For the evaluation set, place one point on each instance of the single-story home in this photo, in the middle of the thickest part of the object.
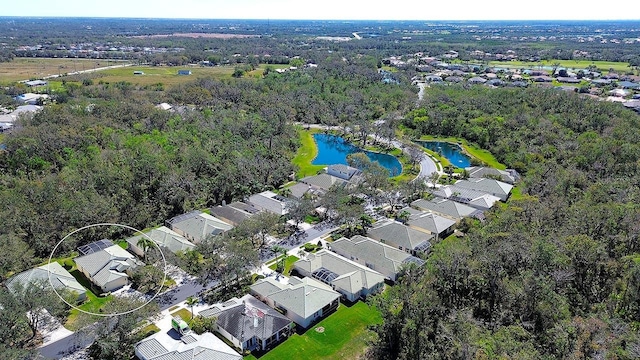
(474, 198)
(162, 346)
(36, 83)
(303, 301)
(184, 72)
(375, 255)
(249, 324)
(233, 213)
(108, 268)
(195, 226)
(489, 172)
(323, 181)
(50, 274)
(352, 280)
(270, 201)
(439, 226)
(343, 172)
(31, 98)
(496, 188)
(162, 236)
(445, 207)
(400, 236)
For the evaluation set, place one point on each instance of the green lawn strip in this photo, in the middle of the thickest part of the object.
(185, 314)
(305, 155)
(344, 337)
(288, 263)
(516, 193)
(92, 304)
(568, 64)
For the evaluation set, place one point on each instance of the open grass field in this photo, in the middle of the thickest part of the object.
(569, 64)
(344, 336)
(305, 155)
(36, 68)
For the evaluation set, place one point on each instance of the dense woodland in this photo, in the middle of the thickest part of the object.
(554, 274)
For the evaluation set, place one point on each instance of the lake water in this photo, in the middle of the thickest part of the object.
(450, 151)
(334, 150)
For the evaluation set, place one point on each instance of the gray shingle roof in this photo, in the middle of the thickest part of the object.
(196, 225)
(107, 264)
(490, 186)
(60, 278)
(233, 320)
(445, 207)
(431, 222)
(484, 171)
(384, 258)
(230, 213)
(394, 232)
(165, 237)
(322, 181)
(466, 196)
(304, 297)
(360, 277)
(207, 346)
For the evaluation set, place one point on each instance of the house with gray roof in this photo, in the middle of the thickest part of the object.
(489, 172)
(474, 198)
(375, 255)
(342, 171)
(323, 181)
(233, 213)
(439, 226)
(500, 189)
(161, 346)
(49, 274)
(298, 190)
(162, 236)
(108, 268)
(351, 279)
(270, 201)
(447, 208)
(304, 301)
(196, 226)
(249, 324)
(400, 236)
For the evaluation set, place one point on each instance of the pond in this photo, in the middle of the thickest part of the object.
(450, 151)
(334, 150)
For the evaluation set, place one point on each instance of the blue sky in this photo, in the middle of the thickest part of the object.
(328, 9)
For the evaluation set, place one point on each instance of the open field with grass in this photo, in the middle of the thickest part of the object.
(305, 155)
(344, 336)
(569, 64)
(36, 68)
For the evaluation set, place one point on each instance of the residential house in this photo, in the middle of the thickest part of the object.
(323, 181)
(108, 268)
(375, 255)
(184, 72)
(249, 324)
(439, 226)
(447, 208)
(162, 236)
(298, 190)
(36, 83)
(476, 199)
(304, 301)
(270, 201)
(233, 213)
(31, 98)
(196, 226)
(343, 172)
(489, 172)
(352, 280)
(162, 346)
(50, 274)
(494, 187)
(477, 80)
(400, 236)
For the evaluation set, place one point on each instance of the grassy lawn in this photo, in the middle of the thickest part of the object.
(569, 64)
(305, 155)
(288, 263)
(35, 68)
(93, 303)
(480, 154)
(345, 336)
(183, 313)
(516, 193)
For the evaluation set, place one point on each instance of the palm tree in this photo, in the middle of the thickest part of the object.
(192, 301)
(145, 244)
(277, 249)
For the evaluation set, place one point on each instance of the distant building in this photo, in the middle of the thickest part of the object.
(36, 83)
(184, 72)
(138, 72)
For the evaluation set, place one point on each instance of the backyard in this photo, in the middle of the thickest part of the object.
(342, 335)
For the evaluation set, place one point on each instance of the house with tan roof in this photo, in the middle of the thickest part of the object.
(351, 279)
(400, 236)
(304, 301)
(163, 237)
(439, 226)
(108, 268)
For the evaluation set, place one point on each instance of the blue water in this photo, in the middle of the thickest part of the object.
(450, 151)
(334, 150)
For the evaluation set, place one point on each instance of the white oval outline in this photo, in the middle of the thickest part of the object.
(164, 279)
